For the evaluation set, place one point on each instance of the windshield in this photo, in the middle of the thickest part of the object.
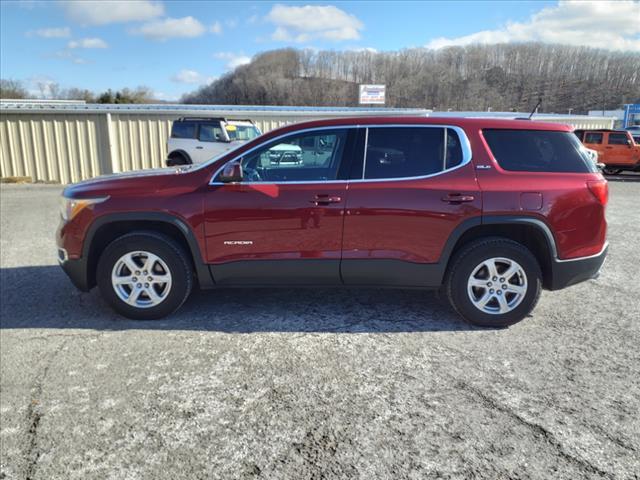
(243, 132)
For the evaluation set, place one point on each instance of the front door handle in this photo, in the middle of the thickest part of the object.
(457, 198)
(199, 148)
(322, 199)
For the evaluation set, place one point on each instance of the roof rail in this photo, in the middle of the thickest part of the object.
(190, 119)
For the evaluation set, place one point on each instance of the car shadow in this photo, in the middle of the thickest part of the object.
(42, 297)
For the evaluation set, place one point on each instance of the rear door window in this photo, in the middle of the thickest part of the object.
(404, 152)
(593, 137)
(538, 151)
(617, 139)
(183, 130)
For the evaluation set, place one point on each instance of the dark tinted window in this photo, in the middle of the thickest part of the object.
(183, 130)
(211, 133)
(617, 139)
(538, 151)
(593, 137)
(398, 152)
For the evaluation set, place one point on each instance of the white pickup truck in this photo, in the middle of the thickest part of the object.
(197, 139)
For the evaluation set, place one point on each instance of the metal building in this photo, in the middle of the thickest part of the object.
(67, 141)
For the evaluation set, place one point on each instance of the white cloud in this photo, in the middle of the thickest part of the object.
(87, 43)
(191, 77)
(160, 30)
(216, 28)
(233, 60)
(70, 56)
(309, 22)
(55, 32)
(606, 24)
(231, 23)
(91, 12)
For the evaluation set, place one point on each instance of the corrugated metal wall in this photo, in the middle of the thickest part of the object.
(69, 147)
(55, 148)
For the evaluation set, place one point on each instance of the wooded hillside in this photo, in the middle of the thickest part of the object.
(504, 77)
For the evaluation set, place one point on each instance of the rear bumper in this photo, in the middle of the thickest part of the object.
(569, 272)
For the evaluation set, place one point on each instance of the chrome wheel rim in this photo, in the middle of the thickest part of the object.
(497, 285)
(141, 279)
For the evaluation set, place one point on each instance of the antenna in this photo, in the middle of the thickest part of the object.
(535, 108)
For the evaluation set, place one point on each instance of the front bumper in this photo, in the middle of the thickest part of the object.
(565, 273)
(76, 270)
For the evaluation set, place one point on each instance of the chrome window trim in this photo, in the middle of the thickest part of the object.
(465, 145)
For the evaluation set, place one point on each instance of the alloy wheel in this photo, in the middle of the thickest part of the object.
(141, 279)
(497, 285)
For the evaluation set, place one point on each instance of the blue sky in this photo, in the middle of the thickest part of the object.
(173, 47)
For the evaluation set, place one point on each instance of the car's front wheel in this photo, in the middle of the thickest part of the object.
(144, 275)
(494, 282)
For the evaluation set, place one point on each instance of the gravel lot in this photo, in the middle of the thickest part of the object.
(313, 383)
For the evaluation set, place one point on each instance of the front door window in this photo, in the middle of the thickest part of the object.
(306, 157)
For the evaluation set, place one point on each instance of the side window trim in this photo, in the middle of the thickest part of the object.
(462, 136)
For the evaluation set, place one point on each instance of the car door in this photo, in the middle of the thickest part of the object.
(619, 152)
(184, 137)
(416, 186)
(283, 223)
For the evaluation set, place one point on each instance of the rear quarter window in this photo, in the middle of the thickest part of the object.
(593, 137)
(538, 151)
(183, 130)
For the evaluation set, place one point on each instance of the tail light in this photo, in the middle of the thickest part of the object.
(600, 190)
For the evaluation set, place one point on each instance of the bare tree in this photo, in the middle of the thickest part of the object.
(510, 77)
(12, 89)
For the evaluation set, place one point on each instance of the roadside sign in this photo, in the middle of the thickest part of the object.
(372, 94)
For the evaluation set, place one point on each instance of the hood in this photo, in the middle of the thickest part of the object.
(140, 181)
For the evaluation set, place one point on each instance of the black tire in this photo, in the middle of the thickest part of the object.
(178, 158)
(169, 251)
(471, 256)
(611, 171)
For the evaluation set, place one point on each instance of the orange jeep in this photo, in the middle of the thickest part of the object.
(616, 149)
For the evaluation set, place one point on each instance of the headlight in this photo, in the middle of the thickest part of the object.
(70, 207)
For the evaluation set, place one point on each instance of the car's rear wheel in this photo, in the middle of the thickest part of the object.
(611, 170)
(494, 282)
(144, 275)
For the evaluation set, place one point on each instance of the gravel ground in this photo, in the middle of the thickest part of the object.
(313, 383)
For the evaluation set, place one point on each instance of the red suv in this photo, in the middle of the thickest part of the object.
(492, 211)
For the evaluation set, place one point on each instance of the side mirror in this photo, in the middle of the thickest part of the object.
(629, 142)
(232, 172)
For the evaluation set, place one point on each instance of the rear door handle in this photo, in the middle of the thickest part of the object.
(458, 198)
(199, 148)
(322, 199)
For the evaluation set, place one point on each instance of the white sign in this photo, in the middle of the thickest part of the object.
(372, 94)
